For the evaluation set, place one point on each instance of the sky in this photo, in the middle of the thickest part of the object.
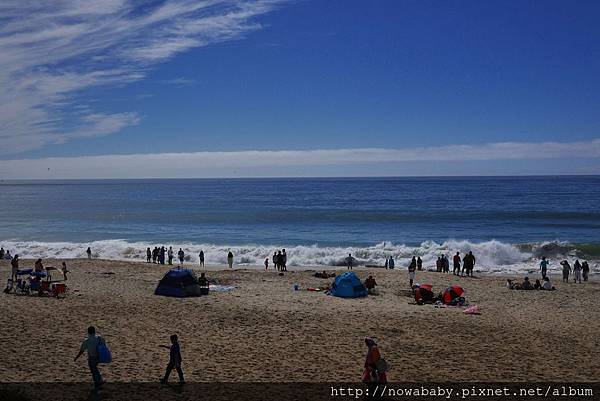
(232, 88)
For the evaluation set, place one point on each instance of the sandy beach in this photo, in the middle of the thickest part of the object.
(265, 331)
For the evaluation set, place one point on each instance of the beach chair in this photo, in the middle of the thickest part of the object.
(59, 289)
(34, 285)
(45, 287)
(22, 286)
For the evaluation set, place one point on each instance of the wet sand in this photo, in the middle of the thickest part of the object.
(265, 331)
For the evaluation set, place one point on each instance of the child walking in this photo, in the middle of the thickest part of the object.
(174, 360)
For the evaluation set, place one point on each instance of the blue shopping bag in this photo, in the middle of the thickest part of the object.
(104, 355)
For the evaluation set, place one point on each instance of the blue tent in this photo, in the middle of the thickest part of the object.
(347, 285)
(178, 283)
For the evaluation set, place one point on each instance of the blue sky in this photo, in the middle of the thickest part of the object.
(422, 77)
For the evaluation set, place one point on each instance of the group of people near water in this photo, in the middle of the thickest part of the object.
(157, 255)
(579, 270)
(468, 264)
(279, 260)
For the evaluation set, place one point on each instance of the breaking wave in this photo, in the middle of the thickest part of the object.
(492, 256)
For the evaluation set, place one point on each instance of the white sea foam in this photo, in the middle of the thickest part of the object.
(492, 256)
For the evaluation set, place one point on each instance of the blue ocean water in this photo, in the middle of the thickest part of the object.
(338, 213)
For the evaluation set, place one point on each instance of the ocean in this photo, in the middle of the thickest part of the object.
(508, 222)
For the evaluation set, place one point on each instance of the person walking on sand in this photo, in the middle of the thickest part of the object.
(412, 267)
(456, 262)
(585, 270)
(90, 344)
(174, 360)
(201, 257)
(181, 255)
(64, 271)
(577, 271)
(148, 255)
(419, 263)
(89, 252)
(230, 259)
(544, 266)
(349, 261)
(566, 270)
(266, 263)
(14, 264)
(375, 367)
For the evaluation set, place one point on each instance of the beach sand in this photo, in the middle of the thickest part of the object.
(265, 331)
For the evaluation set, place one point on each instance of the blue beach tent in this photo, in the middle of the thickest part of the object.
(347, 285)
(178, 283)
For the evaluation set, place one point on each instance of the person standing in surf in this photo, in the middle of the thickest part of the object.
(283, 261)
(170, 255)
(349, 262)
(566, 270)
(577, 271)
(544, 266)
(456, 262)
(89, 252)
(230, 259)
(181, 255)
(412, 267)
(585, 270)
(201, 258)
(148, 255)
(419, 263)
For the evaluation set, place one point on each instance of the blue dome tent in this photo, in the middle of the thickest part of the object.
(178, 283)
(347, 285)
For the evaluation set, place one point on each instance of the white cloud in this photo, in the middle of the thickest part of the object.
(287, 162)
(51, 50)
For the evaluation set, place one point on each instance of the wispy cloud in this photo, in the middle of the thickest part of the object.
(270, 163)
(52, 50)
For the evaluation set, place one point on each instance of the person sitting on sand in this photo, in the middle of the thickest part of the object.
(370, 284)
(526, 284)
(38, 267)
(566, 270)
(585, 270)
(174, 360)
(537, 285)
(547, 285)
(374, 371)
(202, 280)
(7, 255)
